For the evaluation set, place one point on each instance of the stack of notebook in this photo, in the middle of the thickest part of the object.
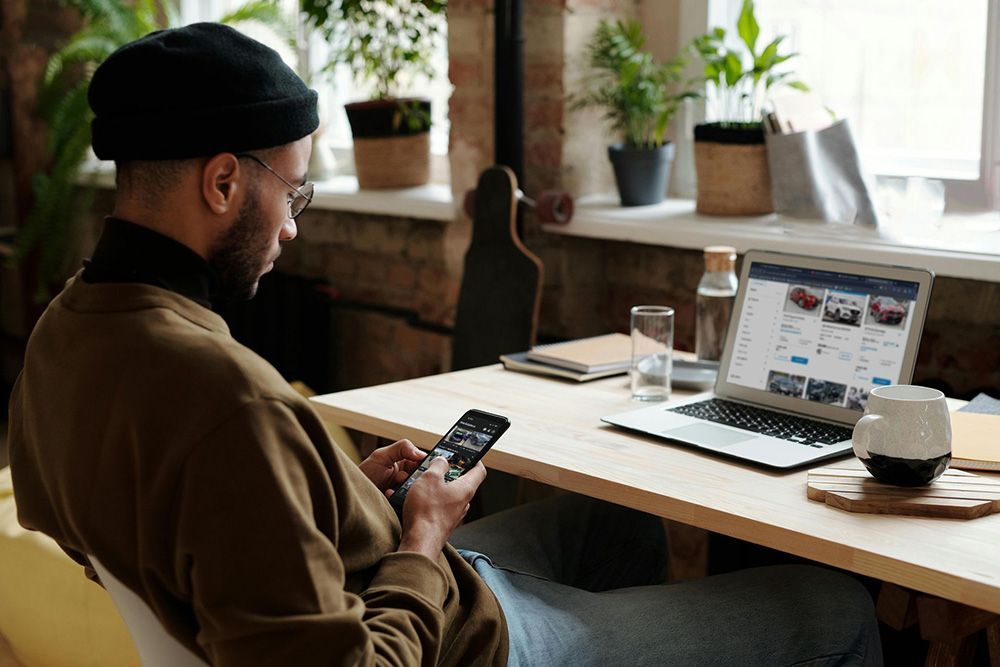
(581, 360)
(603, 356)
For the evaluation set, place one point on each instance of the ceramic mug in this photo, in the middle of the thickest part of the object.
(905, 436)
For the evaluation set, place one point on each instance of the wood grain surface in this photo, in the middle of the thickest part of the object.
(955, 495)
(556, 437)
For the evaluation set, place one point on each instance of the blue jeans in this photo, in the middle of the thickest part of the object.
(580, 583)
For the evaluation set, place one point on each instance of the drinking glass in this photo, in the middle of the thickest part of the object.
(652, 352)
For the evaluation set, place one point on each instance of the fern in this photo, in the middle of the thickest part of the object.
(638, 95)
(50, 228)
(266, 12)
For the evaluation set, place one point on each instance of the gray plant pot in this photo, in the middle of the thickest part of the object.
(641, 173)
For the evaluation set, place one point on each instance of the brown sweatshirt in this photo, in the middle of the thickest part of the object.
(143, 434)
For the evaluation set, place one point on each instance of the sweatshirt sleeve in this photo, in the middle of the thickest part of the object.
(256, 551)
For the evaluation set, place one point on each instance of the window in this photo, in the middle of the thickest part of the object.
(337, 87)
(910, 75)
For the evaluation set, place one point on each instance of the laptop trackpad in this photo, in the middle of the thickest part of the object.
(708, 435)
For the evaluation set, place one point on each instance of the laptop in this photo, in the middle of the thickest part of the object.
(807, 340)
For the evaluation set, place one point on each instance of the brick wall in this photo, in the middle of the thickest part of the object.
(393, 292)
(591, 284)
(394, 297)
(396, 280)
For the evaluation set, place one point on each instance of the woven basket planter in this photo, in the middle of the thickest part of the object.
(393, 162)
(733, 178)
(388, 153)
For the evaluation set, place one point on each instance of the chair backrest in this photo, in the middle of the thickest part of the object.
(156, 648)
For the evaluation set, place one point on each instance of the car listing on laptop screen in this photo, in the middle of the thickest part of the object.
(821, 336)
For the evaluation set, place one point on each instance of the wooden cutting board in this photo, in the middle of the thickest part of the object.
(955, 495)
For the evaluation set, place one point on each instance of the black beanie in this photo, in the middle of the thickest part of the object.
(196, 91)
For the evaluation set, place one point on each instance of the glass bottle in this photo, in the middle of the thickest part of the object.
(714, 303)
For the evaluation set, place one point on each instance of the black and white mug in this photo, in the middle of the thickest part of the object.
(905, 436)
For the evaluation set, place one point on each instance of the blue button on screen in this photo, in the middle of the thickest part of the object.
(800, 360)
(881, 381)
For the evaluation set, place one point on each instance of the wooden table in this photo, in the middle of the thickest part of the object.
(556, 437)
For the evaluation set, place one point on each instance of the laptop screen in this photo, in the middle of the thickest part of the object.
(821, 335)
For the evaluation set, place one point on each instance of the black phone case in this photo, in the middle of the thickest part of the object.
(503, 423)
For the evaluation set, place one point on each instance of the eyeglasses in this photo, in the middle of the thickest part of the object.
(303, 196)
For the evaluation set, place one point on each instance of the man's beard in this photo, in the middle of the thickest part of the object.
(238, 257)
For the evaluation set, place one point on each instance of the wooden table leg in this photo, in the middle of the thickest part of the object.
(896, 606)
(369, 443)
(952, 630)
(687, 551)
(958, 653)
(993, 642)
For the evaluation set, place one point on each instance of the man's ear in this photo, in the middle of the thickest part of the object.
(220, 183)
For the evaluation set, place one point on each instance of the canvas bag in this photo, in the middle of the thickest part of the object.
(817, 175)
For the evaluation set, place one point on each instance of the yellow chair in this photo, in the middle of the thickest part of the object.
(50, 614)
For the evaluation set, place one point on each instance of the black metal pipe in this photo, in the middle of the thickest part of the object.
(508, 68)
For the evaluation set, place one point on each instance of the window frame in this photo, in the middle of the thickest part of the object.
(982, 193)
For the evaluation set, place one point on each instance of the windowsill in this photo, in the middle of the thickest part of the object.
(427, 202)
(340, 193)
(959, 246)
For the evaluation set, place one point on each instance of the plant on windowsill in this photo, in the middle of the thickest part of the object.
(384, 43)
(730, 156)
(639, 97)
(49, 235)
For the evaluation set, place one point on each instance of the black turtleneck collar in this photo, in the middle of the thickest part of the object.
(130, 253)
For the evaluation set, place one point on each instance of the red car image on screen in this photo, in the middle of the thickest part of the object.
(803, 299)
(886, 310)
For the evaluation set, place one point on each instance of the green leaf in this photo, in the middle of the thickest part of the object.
(636, 92)
(379, 40)
(266, 12)
(733, 68)
(798, 85)
(766, 59)
(746, 26)
(661, 127)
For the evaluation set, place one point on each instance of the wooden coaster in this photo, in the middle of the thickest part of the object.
(955, 495)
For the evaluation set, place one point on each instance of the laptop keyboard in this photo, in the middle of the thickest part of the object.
(800, 430)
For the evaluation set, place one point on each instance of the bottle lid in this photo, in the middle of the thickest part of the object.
(720, 258)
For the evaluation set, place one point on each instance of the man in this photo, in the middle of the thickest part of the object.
(144, 436)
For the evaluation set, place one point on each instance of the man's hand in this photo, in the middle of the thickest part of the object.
(434, 508)
(389, 466)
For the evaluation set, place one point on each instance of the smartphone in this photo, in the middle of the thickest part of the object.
(462, 446)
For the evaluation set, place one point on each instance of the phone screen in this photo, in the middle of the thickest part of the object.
(462, 446)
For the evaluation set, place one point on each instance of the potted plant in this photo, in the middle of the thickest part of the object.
(639, 97)
(730, 156)
(382, 42)
(108, 24)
